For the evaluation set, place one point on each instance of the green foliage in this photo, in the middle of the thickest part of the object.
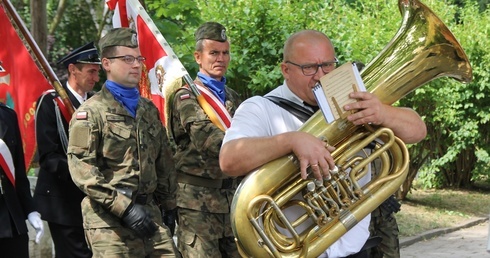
(77, 24)
(455, 113)
(456, 149)
(457, 116)
(177, 20)
(259, 28)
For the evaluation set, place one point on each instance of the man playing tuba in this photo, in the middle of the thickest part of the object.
(262, 131)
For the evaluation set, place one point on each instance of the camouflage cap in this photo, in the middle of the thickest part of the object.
(212, 31)
(125, 37)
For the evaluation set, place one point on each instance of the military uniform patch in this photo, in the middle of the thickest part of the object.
(82, 115)
(185, 96)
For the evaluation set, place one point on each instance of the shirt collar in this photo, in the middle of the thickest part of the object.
(286, 93)
(80, 99)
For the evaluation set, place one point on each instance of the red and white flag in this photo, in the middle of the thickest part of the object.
(163, 70)
(21, 81)
(6, 162)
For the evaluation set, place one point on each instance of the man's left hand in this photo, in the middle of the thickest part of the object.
(170, 218)
(36, 222)
(368, 109)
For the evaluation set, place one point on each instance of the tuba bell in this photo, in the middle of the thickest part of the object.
(423, 49)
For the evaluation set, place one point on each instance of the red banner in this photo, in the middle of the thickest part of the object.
(21, 82)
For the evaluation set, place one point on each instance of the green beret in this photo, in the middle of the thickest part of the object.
(125, 37)
(212, 31)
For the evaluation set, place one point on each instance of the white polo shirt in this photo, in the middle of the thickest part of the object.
(260, 117)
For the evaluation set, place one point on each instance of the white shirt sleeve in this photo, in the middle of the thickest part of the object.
(260, 117)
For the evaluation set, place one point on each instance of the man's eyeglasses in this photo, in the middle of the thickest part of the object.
(129, 59)
(312, 69)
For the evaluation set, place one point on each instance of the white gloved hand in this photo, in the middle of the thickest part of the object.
(36, 222)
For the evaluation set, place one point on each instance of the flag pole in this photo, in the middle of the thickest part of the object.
(39, 56)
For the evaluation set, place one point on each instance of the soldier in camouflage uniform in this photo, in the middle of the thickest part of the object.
(119, 156)
(384, 226)
(205, 193)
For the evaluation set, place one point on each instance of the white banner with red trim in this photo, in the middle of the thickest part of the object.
(222, 114)
(163, 70)
(6, 162)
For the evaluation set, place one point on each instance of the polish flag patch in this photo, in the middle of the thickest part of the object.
(185, 96)
(82, 115)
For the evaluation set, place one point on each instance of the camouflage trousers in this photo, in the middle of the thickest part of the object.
(383, 224)
(122, 242)
(203, 234)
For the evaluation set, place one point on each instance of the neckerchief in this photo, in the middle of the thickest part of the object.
(215, 86)
(128, 97)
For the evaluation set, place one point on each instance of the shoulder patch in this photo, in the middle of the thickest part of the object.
(80, 136)
(82, 115)
(185, 96)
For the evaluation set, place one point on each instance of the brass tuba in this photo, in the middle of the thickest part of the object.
(423, 49)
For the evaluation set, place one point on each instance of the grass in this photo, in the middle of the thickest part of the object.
(431, 209)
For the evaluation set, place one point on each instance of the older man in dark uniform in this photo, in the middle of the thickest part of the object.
(56, 194)
(16, 203)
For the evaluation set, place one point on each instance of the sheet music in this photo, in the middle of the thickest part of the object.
(333, 94)
(321, 99)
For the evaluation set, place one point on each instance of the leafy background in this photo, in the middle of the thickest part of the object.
(455, 153)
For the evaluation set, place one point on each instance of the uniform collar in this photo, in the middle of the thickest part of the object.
(80, 99)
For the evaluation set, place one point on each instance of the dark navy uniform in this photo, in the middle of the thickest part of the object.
(56, 194)
(15, 202)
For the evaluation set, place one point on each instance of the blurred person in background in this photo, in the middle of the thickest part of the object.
(56, 195)
(16, 203)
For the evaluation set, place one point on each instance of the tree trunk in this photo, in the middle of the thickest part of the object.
(62, 4)
(418, 157)
(39, 27)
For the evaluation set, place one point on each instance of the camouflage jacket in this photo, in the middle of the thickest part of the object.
(198, 142)
(112, 156)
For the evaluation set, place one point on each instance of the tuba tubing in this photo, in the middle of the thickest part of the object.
(423, 49)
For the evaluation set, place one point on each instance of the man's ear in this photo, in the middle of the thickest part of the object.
(285, 70)
(105, 63)
(197, 57)
(71, 68)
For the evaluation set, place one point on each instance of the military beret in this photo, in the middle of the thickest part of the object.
(212, 31)
(125, 37)
(86, 54)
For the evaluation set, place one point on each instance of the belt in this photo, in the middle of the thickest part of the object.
(143, 198)
(227, 183)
